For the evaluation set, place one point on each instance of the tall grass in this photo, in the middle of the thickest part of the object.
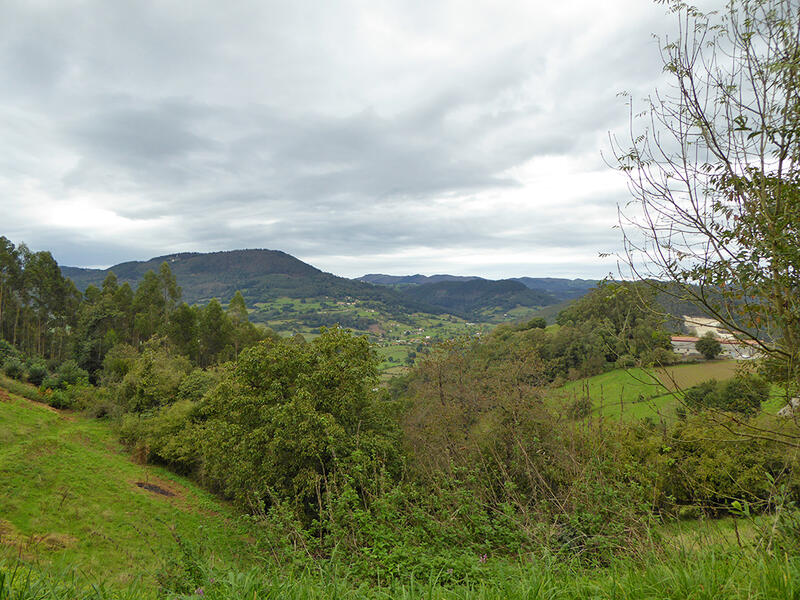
(714, 575)
(19, 388)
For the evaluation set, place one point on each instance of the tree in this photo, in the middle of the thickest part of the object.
(287, 418)
(148, 307)
(713, 166)
(708, 346)
(215, 331)
(169, 289)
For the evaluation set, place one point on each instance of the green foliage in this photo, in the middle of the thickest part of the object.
(7, 351)
(622, 319)
(287, 417)
(37, 371)
(216, 334)
(117, 363)
(153, 378)
(742, 394)
(14, 368)
(69, 373)
(710, 466)
(708, 346)
(535, 323)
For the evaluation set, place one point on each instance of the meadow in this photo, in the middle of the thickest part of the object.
(638, 393)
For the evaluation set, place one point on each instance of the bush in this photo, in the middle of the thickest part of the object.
(625, 361)
(152, 379)
(710, 465)
(14, 368)
(58, 398)
(195, 385)
(296, 415)
(743, 394)
(117, 362)
(580, 408)
(37, 371)
(662, 357)
(69, 373)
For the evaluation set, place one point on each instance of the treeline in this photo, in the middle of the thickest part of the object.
(37, 305)
(43, 317)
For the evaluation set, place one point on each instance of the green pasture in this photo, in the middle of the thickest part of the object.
(72, 497)
(637, 393)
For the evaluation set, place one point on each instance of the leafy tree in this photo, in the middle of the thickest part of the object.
(215, 333)
(714, 169)
(243, 333)
(153, 378)
(708, 346)
(170, 289)
(289, 418)
(183, 331)
(148, 307)
(621, 317)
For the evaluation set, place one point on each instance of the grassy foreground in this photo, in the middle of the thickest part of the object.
(71, 497)
(79, 518)
(711, 576)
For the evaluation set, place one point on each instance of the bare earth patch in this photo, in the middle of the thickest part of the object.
(10, 536)
(159, 487)
(152, 487)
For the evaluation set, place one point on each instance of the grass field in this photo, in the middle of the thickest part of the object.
(71, 497)
(638, 393)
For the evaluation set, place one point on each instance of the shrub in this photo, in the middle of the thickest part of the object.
(296, 415)
(580, 408)
(59, 398)
(153, 379)
(117, 362)
(195, 385)
(663, 357)
(37, 371)
(710, 465)
(625, 361)
(14, 368)
(743, 394)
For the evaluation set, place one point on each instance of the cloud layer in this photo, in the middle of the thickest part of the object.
(359, 136)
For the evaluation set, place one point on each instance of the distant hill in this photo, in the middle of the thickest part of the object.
(260, 274)
(405, 280)
(563, 289)
(469, 297)
(265, 275)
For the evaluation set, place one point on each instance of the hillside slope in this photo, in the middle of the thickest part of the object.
(71, 496)
(261, 275)
(469, 297)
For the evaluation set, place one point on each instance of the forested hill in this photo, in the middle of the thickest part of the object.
(406, 280)
(473, 296)
(261, 275)
(563, 289)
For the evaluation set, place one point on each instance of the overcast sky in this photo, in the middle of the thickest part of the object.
(360, 136)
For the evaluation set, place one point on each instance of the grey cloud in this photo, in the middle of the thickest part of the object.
(296, 126)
